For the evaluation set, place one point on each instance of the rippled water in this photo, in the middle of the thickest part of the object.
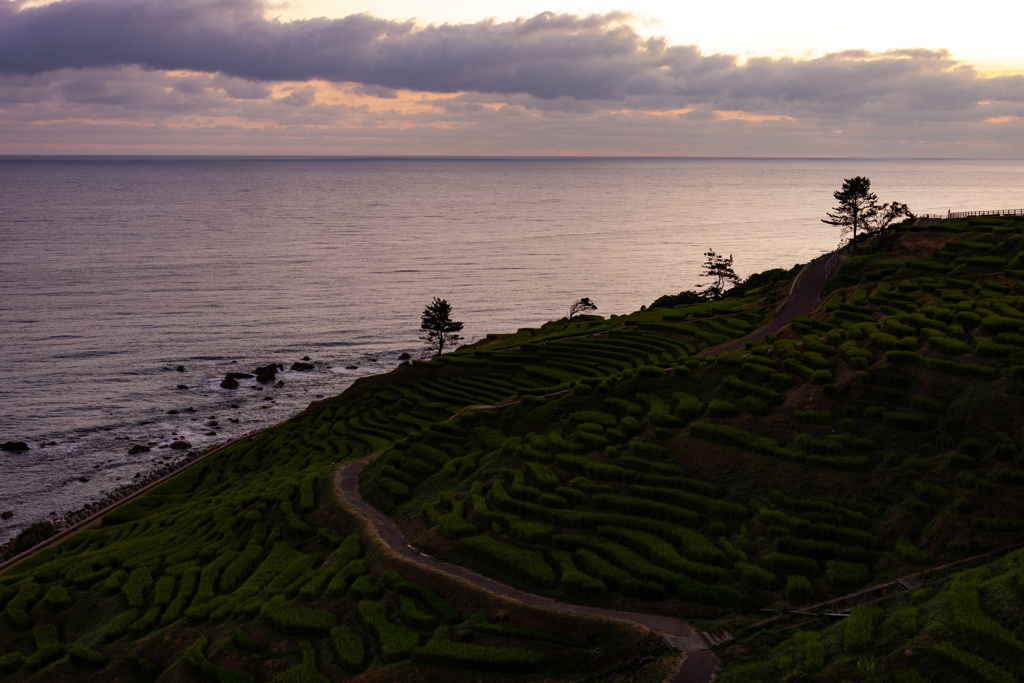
(115, 271)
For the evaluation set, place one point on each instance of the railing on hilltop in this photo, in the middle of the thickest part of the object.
(995, 212)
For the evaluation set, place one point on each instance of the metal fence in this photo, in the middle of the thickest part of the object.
(995, 212)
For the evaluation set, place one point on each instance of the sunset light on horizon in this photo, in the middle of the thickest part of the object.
(532, 78)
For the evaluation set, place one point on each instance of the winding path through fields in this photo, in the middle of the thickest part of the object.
(700, 664)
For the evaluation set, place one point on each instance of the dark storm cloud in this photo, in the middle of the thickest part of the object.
(549, 56)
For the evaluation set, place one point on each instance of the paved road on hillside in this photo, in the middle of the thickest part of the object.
(696, 668)
(700, 664)
(805, 298)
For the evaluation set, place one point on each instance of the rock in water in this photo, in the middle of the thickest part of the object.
(181, 445)
(404, 356)
(15, 446)
(268, 373)
(229, 382)
(302, 367)
(6, 515)
(180, 368)
(136, 449)
(183, 386)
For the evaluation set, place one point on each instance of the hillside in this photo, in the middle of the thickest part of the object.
(608, 463)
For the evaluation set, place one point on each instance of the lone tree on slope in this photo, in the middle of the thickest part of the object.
(438, 324)
(581, 306)
(856, 207)
(886, 217)
(719, 269)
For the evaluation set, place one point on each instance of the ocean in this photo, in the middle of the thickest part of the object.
(116, 272)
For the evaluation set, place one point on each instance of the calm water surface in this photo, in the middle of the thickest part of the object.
(113, 272)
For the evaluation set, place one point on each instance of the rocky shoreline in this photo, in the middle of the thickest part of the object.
(93, 510)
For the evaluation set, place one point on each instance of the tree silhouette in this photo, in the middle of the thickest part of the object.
(886, 216)
(719, 269)
(581, 306)
(856, 206)
(438, 324)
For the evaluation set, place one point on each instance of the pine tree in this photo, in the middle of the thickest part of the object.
(856, 207)
(719, 269)
(438, 324)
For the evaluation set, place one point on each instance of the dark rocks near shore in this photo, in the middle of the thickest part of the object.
(7, 514)
(351, 367)
(404, 356)
(14, 446)
(302, 367)
(183, 386)
(268, 373)
(229, 383)
(180, 446)
(180, 368)
(137, 448)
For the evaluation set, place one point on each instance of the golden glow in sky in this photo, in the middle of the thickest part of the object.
(983, 34)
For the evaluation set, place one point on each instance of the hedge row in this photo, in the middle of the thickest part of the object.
(348, 648)
(760, 444)
(712, 507)
(528, 565)
(662, 553)
(396, 643)
(979, 372)
(822, 531)
(968, 616)
(433, 601)
(440, 650)
(295, 619)
(976, 666)
(176, 608)
(195, 660)
(574, 581)
(19, 606)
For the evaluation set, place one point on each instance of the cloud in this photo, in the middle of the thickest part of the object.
(219, 73)
(548, 56)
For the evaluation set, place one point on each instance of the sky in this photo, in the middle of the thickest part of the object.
(793, 78)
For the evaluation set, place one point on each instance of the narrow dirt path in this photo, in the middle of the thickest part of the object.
(698, 666)
(805, 298)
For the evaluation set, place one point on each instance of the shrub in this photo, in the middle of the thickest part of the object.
(754, 406)
(978, 667)
(363, 589)
(86, 658)
(395, 642)
(722, 409)
(818, 417)
(969, 617)
(195, 660)
(814, 656)
(931, 493)
(756, 576)
(910, 553)
(57, 599)
(440, 650)
(859, 628)
(528, 565)
(574, 581)
(413, 617)
(296, 619)
(19, 606)
(348, 648)
(120, 624)
(846, 574)
(798, 588)
(948, 346)
(979, 372)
